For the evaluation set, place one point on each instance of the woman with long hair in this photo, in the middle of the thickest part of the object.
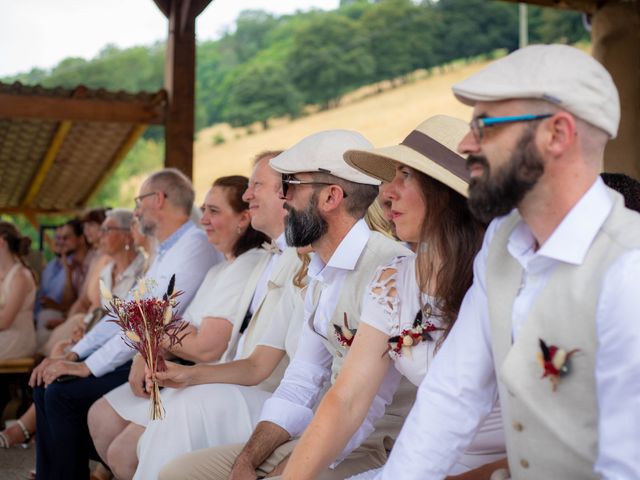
(412, 303)
(117, 420)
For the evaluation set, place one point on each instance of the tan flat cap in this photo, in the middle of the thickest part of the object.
(562, 75)
(430, 149)
(322, 152)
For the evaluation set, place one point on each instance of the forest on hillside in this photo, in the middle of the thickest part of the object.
(273, 66)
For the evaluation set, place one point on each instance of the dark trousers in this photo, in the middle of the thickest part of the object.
(63, 445)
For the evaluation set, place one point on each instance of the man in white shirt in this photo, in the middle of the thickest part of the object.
(326, 200)
(101, 360)
(550, 322)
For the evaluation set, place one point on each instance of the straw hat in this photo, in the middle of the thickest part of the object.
(430, 149)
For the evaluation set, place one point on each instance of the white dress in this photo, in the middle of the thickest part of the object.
(203, 416)
(395, 314)
(218, 296)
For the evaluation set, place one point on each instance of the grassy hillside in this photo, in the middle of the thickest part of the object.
(384, 118)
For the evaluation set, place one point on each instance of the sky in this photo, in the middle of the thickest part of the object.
(40, 33)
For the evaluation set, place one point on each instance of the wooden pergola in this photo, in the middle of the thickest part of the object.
(615, 36)
(58, 146)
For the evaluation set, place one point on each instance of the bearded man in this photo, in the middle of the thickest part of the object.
(550, 322)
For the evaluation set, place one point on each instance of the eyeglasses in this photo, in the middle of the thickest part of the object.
(288, 179)
(138, 199)
(479, 124)
(113, 229)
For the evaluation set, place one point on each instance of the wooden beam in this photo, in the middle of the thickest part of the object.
(132, 138)
(180, 85)
(86, 109)
(38, 211)
(164, 6)
(47, 163)
(587, 6)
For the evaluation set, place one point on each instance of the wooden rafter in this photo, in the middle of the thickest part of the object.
(86, 109)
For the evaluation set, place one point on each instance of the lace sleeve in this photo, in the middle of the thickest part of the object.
(380, 308)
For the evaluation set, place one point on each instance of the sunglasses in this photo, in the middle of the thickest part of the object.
(288, 180)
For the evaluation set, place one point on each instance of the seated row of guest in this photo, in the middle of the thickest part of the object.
(377, 319)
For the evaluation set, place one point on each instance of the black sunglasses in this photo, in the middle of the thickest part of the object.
(288, 179)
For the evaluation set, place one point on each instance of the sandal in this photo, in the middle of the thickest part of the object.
(4, 439)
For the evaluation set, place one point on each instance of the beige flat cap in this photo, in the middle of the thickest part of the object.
(322, 152)
(559, 74)
(430, 149)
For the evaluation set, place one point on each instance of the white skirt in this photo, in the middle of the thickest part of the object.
(197, 417)
(128, 406)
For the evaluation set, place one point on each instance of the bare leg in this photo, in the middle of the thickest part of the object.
(14, 433)
(121, 455)
(104, 425)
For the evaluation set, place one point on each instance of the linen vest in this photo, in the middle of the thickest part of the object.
(553, 434)
(378, 251)
(283, 271)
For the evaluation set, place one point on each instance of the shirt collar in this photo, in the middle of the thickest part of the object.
(572, 238)
(346, 256)
(174, 237)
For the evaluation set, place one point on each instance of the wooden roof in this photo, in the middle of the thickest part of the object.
(57, 146)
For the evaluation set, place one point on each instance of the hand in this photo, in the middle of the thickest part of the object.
(137, 377)
(242, 470)
(60, 348)
(58, 368)
(49, 303)
(53, 323)
(77, 333)
(36, 375)
(175, 376)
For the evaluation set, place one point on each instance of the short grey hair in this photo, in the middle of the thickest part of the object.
(176, 186)
(122, 216)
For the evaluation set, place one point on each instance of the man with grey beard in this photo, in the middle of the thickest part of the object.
(326, 201)
(550, 322)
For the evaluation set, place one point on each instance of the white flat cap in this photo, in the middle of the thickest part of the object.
(559, 74)
(322, 152)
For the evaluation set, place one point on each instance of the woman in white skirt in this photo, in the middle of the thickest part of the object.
(412, 303)
(220, 303)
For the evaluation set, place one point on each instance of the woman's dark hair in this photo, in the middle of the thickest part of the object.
(95, 215)
(76, 226)
(450, 238)
(234, 186)
(18, 245)
(627, 186)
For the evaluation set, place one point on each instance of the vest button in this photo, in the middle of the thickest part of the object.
(524, 463)
(339, 354)
(517, 426)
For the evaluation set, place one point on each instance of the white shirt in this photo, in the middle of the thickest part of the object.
(188, 255)
(449, 407)
(291, 405)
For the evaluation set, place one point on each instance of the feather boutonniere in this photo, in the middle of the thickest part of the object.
(420, 331)
(345, 335)
(555, 362)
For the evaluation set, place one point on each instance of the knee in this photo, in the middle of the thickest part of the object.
(96, 416)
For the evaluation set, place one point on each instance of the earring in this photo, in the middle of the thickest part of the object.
(239, 230)
(127, 247)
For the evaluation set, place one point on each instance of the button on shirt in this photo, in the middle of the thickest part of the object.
(291, 405)
(188, 255)
(449, 408)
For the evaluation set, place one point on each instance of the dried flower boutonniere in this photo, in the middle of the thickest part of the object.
(345, 336)
(420, 331)
(555, 362)
(146, 323)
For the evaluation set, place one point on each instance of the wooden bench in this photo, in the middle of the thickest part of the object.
(16, 396)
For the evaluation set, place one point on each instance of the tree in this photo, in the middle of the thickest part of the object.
(260, 91)
(329, 57)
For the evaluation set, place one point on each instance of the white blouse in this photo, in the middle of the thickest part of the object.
(392, 306)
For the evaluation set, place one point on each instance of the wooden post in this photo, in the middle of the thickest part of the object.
(180, 85)
(616, 44)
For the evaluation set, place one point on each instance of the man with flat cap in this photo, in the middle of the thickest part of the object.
(550, 323)
(326, 200)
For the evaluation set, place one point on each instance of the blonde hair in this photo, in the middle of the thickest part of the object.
(377, 221)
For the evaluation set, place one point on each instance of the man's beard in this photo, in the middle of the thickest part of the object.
(305, 227)
(495, 196)
(148, 229)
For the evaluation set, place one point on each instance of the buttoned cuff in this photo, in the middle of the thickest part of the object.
(292, 417)
(82, 349)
